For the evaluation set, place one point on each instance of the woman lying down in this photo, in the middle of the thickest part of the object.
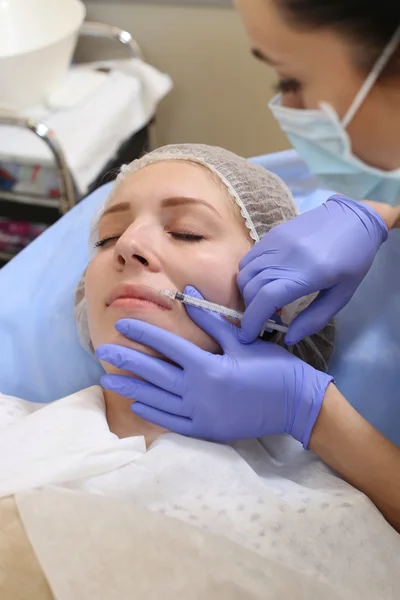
(186, 215)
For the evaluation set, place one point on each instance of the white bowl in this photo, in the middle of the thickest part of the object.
(37, 39)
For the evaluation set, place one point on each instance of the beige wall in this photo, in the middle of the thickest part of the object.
(221, 92)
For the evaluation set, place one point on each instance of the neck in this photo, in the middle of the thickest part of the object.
(124, 423)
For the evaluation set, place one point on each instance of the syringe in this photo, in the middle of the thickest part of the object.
(217, 308)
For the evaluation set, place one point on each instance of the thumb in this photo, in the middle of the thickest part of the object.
(221, 330)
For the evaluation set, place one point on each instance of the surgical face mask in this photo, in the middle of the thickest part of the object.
(321, 139)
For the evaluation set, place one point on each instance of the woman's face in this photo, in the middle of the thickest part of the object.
(169, 225)
(318, 65)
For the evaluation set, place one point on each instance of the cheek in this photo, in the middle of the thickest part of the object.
(94, 278)
(213, 274)
(94, 293)
(216, 278)
(221, 287)
(91, 284)
(216, 284)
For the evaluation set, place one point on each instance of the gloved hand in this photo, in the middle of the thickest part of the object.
(249, 391)
(329, 250)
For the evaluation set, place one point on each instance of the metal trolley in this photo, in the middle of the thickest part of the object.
(30, 207)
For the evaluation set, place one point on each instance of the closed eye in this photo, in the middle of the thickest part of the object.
(287, 86)
(186, 237)
(101, 243)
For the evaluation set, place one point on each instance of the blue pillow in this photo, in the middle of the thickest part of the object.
(40, 356)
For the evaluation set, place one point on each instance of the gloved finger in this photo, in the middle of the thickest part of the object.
(264, 277)
(255, 252)
(256, 266)
(151, 369)
(144, 392)
(316, 316)
(219, 328)
(172, 346)
(270, 298)
(180, 425)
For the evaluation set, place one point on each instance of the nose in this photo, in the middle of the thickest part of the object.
(136, 247)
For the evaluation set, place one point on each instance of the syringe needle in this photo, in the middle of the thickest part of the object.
(217, 308)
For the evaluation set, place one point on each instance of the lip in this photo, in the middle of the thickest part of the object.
(135, 291)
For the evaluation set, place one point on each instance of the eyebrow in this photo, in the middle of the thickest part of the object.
(167, 203)
(181, 201)
(116, 208)
(260, 56)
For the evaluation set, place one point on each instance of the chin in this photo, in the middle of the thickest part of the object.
(185, 328)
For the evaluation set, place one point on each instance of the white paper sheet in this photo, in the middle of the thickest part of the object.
(97, 548)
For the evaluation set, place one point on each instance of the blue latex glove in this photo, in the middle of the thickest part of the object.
(329, 250)
(249, 391)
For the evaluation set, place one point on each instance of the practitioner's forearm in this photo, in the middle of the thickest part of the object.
(390, 214)
(359, 453)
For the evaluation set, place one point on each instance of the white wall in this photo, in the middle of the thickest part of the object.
(221, 92)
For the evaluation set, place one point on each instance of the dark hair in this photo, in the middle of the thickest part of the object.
(369, 25)
(316, 350)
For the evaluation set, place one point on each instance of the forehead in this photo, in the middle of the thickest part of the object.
(271, 32)
(168, 179)
(264, 23)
